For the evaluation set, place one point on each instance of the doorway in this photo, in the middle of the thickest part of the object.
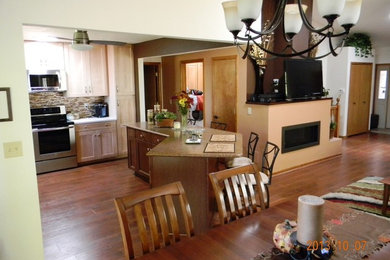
(192, 81)
(382, 100)
(152, 85)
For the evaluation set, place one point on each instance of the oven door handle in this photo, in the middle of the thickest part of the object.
(38, 130)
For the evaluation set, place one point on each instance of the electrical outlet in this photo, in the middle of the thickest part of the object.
(86, 105)
(13, 149)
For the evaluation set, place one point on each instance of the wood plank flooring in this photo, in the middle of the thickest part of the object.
(78, 214)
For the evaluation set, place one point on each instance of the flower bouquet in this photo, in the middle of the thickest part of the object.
(184, 102)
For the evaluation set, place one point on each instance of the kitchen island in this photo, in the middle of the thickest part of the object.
(162, 155)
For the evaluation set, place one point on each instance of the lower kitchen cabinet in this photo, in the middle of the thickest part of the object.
(96, 141)
(139, 143)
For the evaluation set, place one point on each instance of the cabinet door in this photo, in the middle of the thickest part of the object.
(124, 70)
(88, 145)
(125, 114)
(77, 69)
(44, 55)
(108, 142)
(132, 149)
(98, 71)
(142, 160)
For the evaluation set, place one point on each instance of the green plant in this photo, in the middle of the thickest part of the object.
(362, 44)
(165, 115)
(325, 92)
(333, 125)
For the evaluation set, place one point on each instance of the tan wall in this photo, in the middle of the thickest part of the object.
(207, 57)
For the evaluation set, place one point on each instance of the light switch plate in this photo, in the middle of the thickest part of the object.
(249, 111)
(13, 149)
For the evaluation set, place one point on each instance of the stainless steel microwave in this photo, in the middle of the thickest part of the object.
(44, 81)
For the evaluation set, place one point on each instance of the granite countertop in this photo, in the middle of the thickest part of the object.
(174, 144)
(93, 120)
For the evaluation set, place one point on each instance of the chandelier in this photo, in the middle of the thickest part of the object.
(244, 12)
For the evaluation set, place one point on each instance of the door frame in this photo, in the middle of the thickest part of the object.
(375, 106)
(159, 80)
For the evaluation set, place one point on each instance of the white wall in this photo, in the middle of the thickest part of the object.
(20, 225)
(382, 55)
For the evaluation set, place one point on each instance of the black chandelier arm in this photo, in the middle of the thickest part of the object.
(308, 24)
(289, 46)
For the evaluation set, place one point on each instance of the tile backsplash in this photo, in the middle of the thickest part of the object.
(74, 105)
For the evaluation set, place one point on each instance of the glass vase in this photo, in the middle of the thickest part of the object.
(184, 120)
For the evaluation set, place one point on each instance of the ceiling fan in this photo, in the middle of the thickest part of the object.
(81, 41)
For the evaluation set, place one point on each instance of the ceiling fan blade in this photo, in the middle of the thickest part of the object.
(62, 38)
(107, 42)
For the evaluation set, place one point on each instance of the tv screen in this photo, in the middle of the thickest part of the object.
(303, 79)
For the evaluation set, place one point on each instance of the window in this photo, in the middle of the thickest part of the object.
(382, 84)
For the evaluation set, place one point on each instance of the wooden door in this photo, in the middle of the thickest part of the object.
(88, 145)
(225, 91)
(125, 114)
(108, 142)
(359, 98)
(124, 70)
(151, 82)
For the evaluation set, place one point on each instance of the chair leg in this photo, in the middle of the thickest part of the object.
(268, 198)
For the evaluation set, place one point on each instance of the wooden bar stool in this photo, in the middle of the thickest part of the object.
(386, 194)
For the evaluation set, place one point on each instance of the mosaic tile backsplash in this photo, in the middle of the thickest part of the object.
(73, 105)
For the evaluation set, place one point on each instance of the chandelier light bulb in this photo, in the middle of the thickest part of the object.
(233, 22)
(330, 7)
(351, 12)
(249, 10)
(292, 18)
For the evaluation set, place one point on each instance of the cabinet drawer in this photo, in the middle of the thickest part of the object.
(143, 136)
(156, 139)
(93, 126)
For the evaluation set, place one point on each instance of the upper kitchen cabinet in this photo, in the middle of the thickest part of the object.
(42, 56)
(122, 68)
(86, 71)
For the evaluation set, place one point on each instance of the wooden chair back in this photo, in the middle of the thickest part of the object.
(155, 216)
(237, 193)
(218, 125)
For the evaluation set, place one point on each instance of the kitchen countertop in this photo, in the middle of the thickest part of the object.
(174, 144)
(93, 120)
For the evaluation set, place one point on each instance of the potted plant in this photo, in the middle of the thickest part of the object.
(165, 119)
(362, 44)
(332, 129)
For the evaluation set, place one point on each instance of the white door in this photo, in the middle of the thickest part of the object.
(382, 100)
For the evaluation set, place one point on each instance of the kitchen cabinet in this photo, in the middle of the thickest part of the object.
(139, 144)
(96, 141)
(87, 71)
(121, 82)
(42, 56)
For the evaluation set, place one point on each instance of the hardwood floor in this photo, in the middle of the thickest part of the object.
(78, 214)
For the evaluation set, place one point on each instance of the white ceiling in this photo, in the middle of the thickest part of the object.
(374, 20)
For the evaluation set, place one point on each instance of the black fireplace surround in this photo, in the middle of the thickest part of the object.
(300, 136)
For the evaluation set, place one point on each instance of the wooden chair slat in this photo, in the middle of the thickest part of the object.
(162, 217)
(173, 218)
(237, 195)
(251, 192)
(244, 193)
(229, 195)
(141, 228)
(151, 217)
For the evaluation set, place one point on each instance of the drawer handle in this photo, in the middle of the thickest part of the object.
(158, 140)
(148, 149)
(141, 135)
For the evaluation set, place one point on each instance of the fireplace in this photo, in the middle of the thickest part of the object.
(300, 136)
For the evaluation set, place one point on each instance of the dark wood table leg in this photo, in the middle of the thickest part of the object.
(386, 190)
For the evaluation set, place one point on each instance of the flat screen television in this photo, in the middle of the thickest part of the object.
(303, 79)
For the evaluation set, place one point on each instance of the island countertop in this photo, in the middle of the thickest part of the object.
(174, 144)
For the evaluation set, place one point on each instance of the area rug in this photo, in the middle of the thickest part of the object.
(365, 195)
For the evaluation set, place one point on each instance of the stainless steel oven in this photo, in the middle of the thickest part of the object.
(54, 139)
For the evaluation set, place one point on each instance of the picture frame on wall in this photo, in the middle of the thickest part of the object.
(5, 105)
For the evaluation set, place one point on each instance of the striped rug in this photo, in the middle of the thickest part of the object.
(365, 195)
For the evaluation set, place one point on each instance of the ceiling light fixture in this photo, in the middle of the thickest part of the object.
(244, 12)
(80, 41)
